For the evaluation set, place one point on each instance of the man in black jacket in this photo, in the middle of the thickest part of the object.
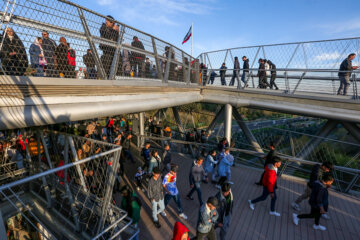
(89, 62)
(316, 175)
(273, 75)
(49, 47)
(262, 74)
(138, 58)
(222, 74)
(109, 30)
(224, 209)
(235, 72)
(318, 201)
(344, 77)
(245, 73)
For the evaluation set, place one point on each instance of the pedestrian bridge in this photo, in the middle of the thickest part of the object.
(34, 101)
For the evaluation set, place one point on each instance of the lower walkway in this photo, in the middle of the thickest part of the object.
(344, 210)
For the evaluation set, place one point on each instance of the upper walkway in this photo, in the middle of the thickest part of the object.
(344, 210)
(35, 101)
(141, 72)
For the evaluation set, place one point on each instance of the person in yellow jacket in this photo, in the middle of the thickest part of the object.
(33, 147)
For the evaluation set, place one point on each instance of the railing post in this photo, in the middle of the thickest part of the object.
(115, 62)
(158, 66)
(76, 159)
(250, 73)
(185, 79)
(167, 68)
(100, 67)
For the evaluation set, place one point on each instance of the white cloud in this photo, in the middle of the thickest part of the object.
(328, 56)
(105, 2)
(162, 12)
(349, 26)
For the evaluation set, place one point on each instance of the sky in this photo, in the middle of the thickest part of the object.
(220, 24)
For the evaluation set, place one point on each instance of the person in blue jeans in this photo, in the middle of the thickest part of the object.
(171, 191)
(197, 173)
(156, 196)
(269, 183)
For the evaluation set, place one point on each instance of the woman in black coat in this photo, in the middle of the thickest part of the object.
(13, 55)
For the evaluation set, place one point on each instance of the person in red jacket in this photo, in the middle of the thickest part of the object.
(269, 182)
(180, 232)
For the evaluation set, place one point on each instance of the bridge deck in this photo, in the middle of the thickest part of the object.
(344, 210)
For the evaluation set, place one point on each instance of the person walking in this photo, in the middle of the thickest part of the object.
(224, 209)
(156, 196)
(180, 232)
(269, 159)
(272, 75)
(316, 175)
(171, 191)
(197, 173)
(166, 156)
(318, 201)
(269, 182)
(209, 165)
(236, 72)
(345, 72)
(222, 74)
(224, 168)
(145, 153)
(155, 161)
(207, 220)
(245, 73)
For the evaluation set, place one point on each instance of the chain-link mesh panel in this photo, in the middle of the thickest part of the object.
(61, 39)
(295, 64)
(76, 183)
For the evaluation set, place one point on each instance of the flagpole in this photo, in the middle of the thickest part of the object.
(192, 38)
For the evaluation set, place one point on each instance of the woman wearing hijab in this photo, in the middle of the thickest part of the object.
(13, 54)
(37, 57)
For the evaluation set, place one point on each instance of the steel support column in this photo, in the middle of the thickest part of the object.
(178, 122)
(157, 60)
(78, 169)
(218, 117)
(115, 62)
(167, 68)
(100, 67)
(314, 142)
(247, 132)
(353, 129)
(228, 122)
(111, 173)
(3, 232)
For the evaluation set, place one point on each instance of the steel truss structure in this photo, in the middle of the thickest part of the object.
(65, 190)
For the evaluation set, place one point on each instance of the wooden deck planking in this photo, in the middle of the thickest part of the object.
(258, 224)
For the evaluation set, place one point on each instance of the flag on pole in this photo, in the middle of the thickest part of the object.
(188, 35)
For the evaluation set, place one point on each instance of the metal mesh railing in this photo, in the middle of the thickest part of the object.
(61, 39)
(67, 189)
(303, 66)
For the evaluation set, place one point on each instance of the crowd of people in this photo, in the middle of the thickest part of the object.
(157, 177)
(267, 69)
(47, 58)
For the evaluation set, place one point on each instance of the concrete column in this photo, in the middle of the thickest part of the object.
(178, 121)
(228, 118)
(245, 129)
(141, 128)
